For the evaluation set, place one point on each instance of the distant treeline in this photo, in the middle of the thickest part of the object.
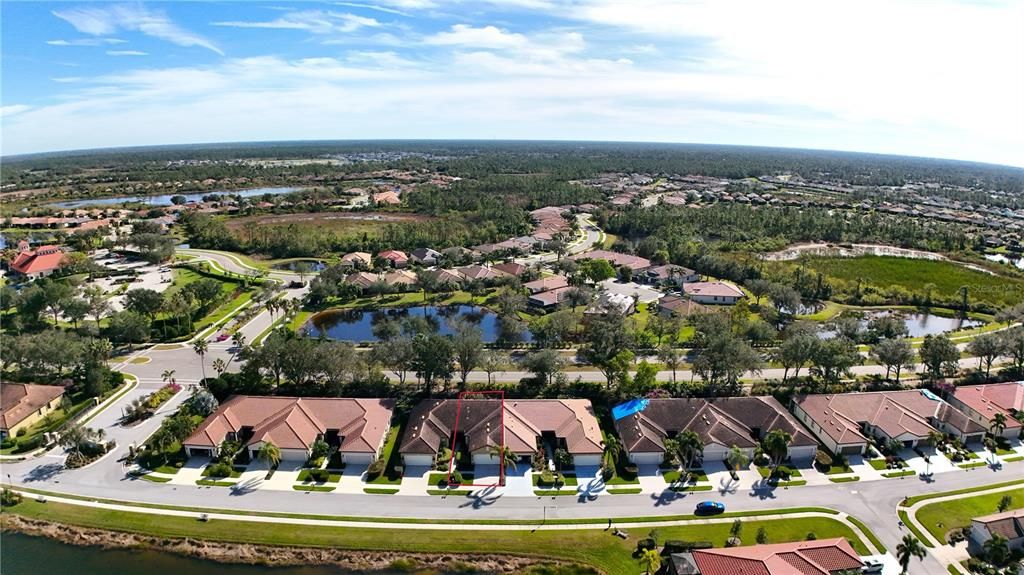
(562, 160)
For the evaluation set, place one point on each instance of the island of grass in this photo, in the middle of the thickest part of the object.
(941, 517)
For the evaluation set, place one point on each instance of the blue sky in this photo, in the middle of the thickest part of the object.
(938, 78)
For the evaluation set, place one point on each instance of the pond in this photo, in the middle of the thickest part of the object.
(357, 325)
(918, 324)
(311, 265)
(30, 555)
(165, 199)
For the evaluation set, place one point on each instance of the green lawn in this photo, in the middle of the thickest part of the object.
(392, 457)
(912, 500)
(844, 479)
(903, 473)
(917, 533)
(570, 480)
(878, 464)
(972, 465)
(379, 491)
(593, 547)
(673, 475)
(626, 491)
(304, 476)
(313, 488)
(938, 518)
(212, 483)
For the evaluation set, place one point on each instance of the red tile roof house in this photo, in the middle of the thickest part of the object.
(398, 259)
(669, 305)
(720, 423)
(820, 557)
(546, 283)
(511, 268)
(549, 299)
(357, 427)
(39, 262)
(23, 404)
(982, 402)
(1009, 524)
(716, 293)
(843, 422)
(529, 424)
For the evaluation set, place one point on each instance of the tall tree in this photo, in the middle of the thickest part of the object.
(606, 336)
(986, 347)
(939, 356)
(200, 347)
(467, 341)
(908, 548)
(894, 354)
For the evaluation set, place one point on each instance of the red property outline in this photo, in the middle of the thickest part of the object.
(455, 431)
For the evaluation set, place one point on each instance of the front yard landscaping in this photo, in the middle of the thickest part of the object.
(938, 518)
(379, 491)
(844, 479)
(389, 460)
(903, 473)
(318, 476)
(673, 475)
(313, 488)
(973, 465)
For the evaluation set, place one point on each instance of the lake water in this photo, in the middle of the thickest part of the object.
(165, 199)
(314, 265)
(30, 555)
(357, 325)
(920, 324)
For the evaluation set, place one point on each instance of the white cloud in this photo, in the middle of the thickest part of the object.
(67, 79)
(313, 21)
(545, 46)
(13, 110)
(384, 9)
(86, 42)
(100, 21)
(126, 53)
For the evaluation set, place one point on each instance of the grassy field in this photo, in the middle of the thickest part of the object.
(939, 518)
(914, 274)
(594, 547)
(343, 223)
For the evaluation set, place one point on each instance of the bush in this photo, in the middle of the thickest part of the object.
(455, 478)
(546, 477)
(319, 450)
(319, 475)
(219, 469)
(9, 498)
(8, 443)
(22, 432)
(645, 544)
(376, 469)
(823, 458)
(682, 546)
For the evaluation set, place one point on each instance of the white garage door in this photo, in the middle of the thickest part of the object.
(418, 459)
(586, 460)
(484, 459)
(715, 453)
(294, 455)
(645, 458)
(802, 452)
(358, 458)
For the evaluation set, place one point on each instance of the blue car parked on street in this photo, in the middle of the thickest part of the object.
(710, 507)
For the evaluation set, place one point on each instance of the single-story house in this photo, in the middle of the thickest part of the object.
(511, 268)
(843, 422)
(720, 422)
(23, 404)
(717, 293)
(450, 278)
(363, 280)
(360, 260)
(396, 258)
(389, 198)
(525, 426)
(425, 256)
(482, 273)
(401, 278)
(357, 427)
(39, 262)
(546, 283)
(667, 275)
(1008, 524)
(818, 557)
(617, 259)
(549, 299)
(982, 402)
(670, 305)
(620, 302)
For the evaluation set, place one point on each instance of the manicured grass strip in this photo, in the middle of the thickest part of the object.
(552, 493)
(904, 473)
(973, 465)
(867, 533)
(938, 518)
(585, 546)
(313, 488)
(912, 500)
(582, 521)
(796, 483)
(878, 464)
(390, 456)
(627, 491)
(837, 469)
(905, 518)
(1014, 458)
(844, 479)
(379, 491)
(304, 476)
(448, 492)
(153, 478)
(695, 475)
(212, 483)
(235, 472)
(691, 488)
(569, 480)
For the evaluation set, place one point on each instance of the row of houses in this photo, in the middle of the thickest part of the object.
(844, 423)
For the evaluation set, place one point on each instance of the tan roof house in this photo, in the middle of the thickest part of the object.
(844, 422)
(982, 402)
(546, 283)
(715, 293)
(1009, 525)
(23, 404)
(525, 426)
(358, 259)
(357, 427)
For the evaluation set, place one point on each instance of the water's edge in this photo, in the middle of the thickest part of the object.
(263, 555)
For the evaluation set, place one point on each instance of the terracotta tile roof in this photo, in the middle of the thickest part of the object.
(433, 421)
(19, 400)
(511, 268)
(894, 412)
(726, 421)
(295, 422)
(991, 399)
(358, 257)
(615, 258)
(1009, 524)
(550, 297)
(394, 255)
(42, 259)
(680, 305)
(362, 279)
(546, 283)
(400, 277)
(820, 557)
(711, 289)
(480, 273)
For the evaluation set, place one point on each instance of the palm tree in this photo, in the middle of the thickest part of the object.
(776, 444)
(909, 548)
(612, 450)
(997, 550)
(76, 437)
(990, 445)
(269, 454)
(690, 447)
(238, 339)
(650, 560)
(505, 456)
(737, 458)
(168, 376)
(201, 347)
(219, 366)
(998, 424)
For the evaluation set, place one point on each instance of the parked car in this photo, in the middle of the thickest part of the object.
(710, 507)
(223, 337)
